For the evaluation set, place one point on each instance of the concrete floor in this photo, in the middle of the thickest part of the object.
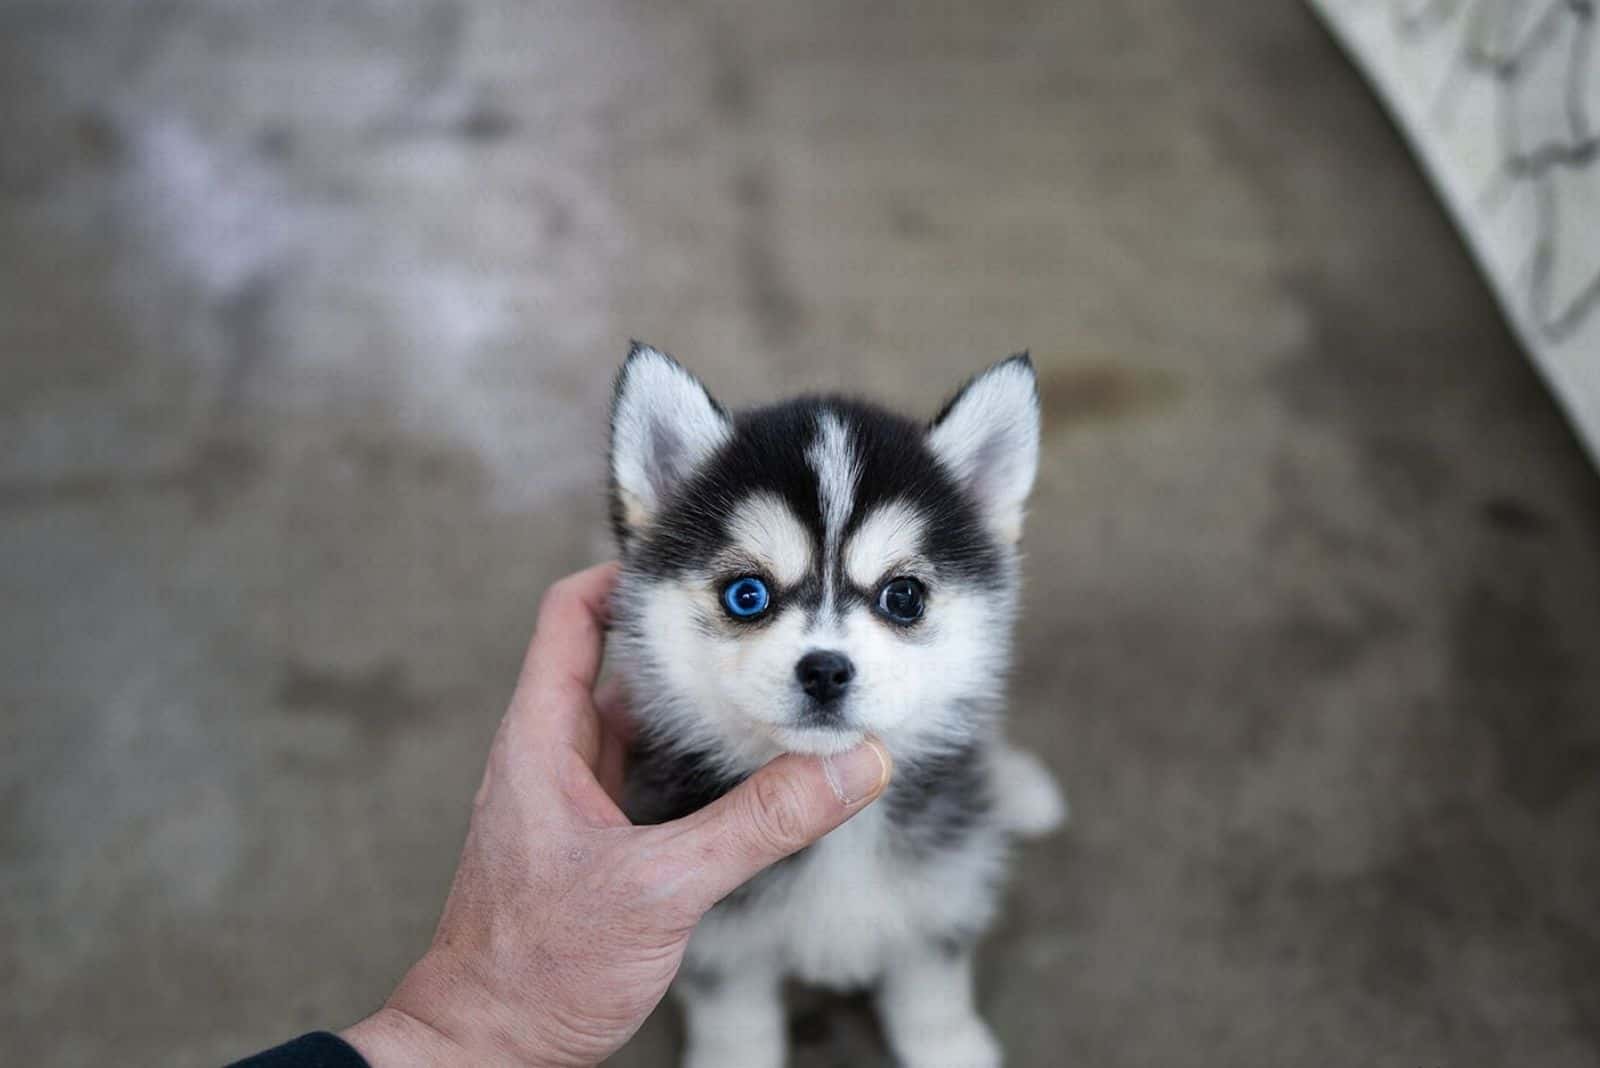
(308, 320)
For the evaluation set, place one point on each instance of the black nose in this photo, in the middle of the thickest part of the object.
(825, 675)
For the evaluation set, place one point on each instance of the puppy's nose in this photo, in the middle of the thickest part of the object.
(824, 675)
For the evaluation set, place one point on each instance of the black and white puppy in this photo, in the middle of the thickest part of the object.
(794, 578)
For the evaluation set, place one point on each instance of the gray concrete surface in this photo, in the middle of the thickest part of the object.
(308, 313)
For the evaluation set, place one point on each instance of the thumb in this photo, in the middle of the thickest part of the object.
(778, 811)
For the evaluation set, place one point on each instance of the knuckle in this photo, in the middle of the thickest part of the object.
(778, 814)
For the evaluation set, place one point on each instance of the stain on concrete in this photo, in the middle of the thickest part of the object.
(220, 469)
(1348, 370)
(19, 495)
(1447, 872)
(217, 471)
(1409, 928)
(767, 291)
(1514, 672)
(1409, 473)
(486, 122)
(410, 460)
(245, 317)
(436, 51)
(911, 221)
(99, 141)
(1578, 951)
(276, 141)
(375, 701)
(1306, 522)
(1278, 665)
(752, 189)
(1074, 394)
(559, 220)
(732, 95)
(1515, 517)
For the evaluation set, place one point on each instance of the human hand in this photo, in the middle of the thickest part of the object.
(566, 923)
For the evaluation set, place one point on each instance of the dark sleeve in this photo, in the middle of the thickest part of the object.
(316, 1050)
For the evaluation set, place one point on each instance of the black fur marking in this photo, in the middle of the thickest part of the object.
(767, 454)
(936, 801)
(807, 594)
(666, 784)
(816, 714)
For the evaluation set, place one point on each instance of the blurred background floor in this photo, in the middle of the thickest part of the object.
(308, 315)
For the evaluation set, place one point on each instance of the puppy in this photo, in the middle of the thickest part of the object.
(795, 578)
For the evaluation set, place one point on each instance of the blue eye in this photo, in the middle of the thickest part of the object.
(746, 598)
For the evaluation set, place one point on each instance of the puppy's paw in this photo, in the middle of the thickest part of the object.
(1028, 800)
(969, 1046)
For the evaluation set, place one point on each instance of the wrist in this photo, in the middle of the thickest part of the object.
(439, 1016)
(393, 1038)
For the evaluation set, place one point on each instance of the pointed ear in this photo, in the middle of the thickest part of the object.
(663, 426)
(988, 438)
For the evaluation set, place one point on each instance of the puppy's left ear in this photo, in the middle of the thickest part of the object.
(988, 438)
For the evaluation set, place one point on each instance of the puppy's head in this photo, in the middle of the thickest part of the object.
(809, 572)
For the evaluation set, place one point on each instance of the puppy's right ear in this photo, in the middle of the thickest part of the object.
(664, 425)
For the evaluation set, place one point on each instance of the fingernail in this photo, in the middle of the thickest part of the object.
(859, 774)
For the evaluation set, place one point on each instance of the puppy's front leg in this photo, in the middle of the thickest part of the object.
(928, 1010)
(1028, 800)
(733, 1019)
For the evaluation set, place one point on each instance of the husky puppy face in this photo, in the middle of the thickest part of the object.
(800, 575)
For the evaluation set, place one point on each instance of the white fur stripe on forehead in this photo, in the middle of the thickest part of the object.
(887, 539)
(663, 425)
(988, 438)
(833, 458)
(763, 528)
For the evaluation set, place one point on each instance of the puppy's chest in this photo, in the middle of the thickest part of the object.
(837, 913)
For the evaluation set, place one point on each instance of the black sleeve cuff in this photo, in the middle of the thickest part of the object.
(320, 1049)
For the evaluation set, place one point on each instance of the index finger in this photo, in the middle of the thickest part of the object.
(564, 656)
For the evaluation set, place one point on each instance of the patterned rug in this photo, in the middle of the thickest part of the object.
(1501, 101)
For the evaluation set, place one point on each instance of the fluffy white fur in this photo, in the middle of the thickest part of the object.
(1028, 801)
(886, 541)
(832, 458)
(767, 537)
(664, 425)
(989, 439)
(852, 916)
